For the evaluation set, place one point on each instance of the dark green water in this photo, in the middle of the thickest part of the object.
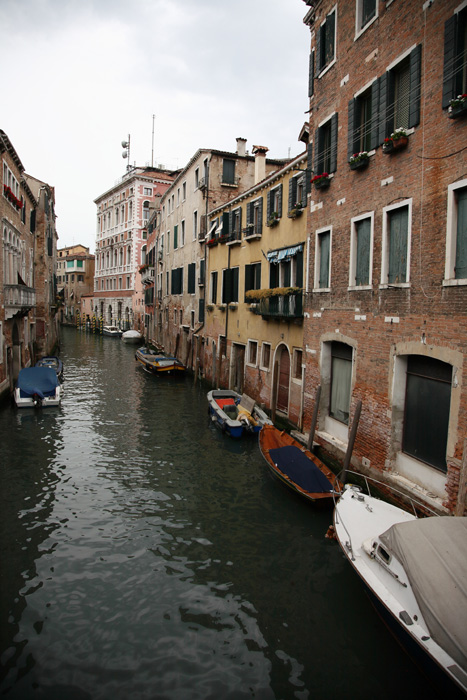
(145, 555)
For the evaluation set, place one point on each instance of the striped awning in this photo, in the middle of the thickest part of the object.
(277, 256)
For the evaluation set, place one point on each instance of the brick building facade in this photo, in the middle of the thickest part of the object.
(387, 219)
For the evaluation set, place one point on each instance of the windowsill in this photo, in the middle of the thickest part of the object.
(454, 283)
(321, 290)
(250, 364)
(363, 29)
(328, 67)
(429, 478)
(400, 285)
(360, 288)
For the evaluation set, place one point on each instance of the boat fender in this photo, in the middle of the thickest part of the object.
(331, 533)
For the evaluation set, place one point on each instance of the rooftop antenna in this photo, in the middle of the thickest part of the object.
(152, 152)
(126, 152)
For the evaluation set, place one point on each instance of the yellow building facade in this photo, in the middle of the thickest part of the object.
(256, 252)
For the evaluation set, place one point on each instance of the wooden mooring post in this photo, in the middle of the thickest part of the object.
(353, 433)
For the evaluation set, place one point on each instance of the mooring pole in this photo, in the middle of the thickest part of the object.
(314, 419)
(353, 433)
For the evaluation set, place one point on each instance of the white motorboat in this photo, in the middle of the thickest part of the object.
(112, 331)
(235, 414)
(37, 387)
(132, 337)
(415, 572)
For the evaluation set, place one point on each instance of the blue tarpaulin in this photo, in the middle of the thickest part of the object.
(37, 380)
(300, 469)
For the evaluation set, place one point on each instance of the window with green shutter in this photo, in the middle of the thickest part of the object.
(326, 147)
(399, 95)
(460, 269)
(191, 278)
(325, 42)
(324, 245)
(455, 57)
(398, 220)
(363, 243)
(175, 237)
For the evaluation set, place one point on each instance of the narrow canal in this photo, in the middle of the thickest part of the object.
(145, 555)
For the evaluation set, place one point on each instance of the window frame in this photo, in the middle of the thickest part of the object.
(263, 365)
(354, 251)
(385, 284)
(318, 234)
(451, 236)
(252, 344)
(360, 28)
(323, 67)
(323, 161)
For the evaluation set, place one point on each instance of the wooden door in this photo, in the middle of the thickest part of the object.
(284, 378)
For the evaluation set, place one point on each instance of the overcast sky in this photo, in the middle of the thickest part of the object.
(80, 75)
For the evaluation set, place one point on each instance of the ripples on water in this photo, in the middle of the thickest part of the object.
(146, 555)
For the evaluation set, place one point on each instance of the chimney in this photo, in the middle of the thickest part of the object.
(241, 146)
(260, 162)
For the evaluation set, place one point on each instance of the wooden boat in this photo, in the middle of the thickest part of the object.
(112, 331)
(415, 572)
(132, 337)
(54, 362)
(235, 414)
(158, 363)
(297, 467)
(37, 387)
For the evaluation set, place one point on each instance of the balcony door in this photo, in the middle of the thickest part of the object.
(283, 380)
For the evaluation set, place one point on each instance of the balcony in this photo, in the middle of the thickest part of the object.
(19, 300)
(147, 274)
(235, 238)
(281, 307)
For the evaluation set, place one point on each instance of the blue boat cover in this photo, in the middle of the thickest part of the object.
(300, 469)
(37, 380)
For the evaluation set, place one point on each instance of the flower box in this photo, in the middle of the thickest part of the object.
(211, 242)
(458, 109)
(359, 164)
(294, 213)
(322, 183)
(395, 144)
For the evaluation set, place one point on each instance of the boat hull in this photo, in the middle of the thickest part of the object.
(296, 467)
(226, 411)
(159, 364)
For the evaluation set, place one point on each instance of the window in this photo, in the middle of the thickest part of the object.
(326, 42)
(145, 211)
(361, 250)
(236, 224)
(230, 285)
(266, 355)
(367, 10)
(213, 287)
(399, 94)
(176, 237)
(326, 147)
(297, 192)
(396, 244)
(182, 233)
(191, 278)
(254, 216)
(202, 268)
(177, 281)
(323, 259)
(297, 363)
(147, 191)
(455, 57)
(252, 352)
(456, 238)
(195, 225)
(183, 191)
(363, 120)
(228, 171)
(274, 203)
(286, 267)
(192, 319)
(196, 178)
(252, 277)
(427, 406)
(341, 376)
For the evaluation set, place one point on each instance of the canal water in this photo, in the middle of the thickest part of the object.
(146, 555)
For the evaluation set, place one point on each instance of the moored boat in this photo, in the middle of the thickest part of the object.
(37, 387)
(415, 571)
(54, 362)
(158, 363)
(297, 468)
(132, 336)
(236, 414)
(112, 331)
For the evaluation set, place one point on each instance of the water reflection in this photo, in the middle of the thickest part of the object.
(149, 556)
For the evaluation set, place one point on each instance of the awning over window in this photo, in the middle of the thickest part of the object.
(213, 228)
(277, 256)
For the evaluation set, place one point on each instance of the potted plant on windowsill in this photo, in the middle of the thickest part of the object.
(297, 210)
(321, 181)
(273, 219)
(398, 140)
(457, 106)
(211, 242)
(359, 160)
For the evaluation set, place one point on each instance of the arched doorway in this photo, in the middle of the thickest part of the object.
(283, 380)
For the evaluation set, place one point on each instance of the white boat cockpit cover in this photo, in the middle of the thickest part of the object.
(433, 552)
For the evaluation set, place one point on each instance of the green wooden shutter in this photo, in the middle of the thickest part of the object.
(461, 242)
(249, 213)
(235, 283)
(318, 162)
(374, 114)
(175, 237)
(311, 75)
(248, 278)
(449, 77)
(383, 105)
(260, 216)
(299, 269)
(362, 272)
(329, 29)
(309, 168)
(269, 205)
(324, 251)
(257, 275)
(333, 167)
(225, 224)
(415, 85)
(351, 141)
(292, 193)
(319, 38)
(398, 233)
(279, 200)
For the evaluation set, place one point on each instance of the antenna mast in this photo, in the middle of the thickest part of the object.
(152, 152)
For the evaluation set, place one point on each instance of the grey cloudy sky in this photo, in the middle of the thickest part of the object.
(83, 74)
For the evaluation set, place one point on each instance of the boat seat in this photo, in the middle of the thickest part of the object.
(222, 403)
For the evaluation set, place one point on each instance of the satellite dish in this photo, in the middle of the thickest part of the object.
(124, 144)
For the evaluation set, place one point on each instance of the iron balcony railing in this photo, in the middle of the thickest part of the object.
(281, 307)
(18, 299)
